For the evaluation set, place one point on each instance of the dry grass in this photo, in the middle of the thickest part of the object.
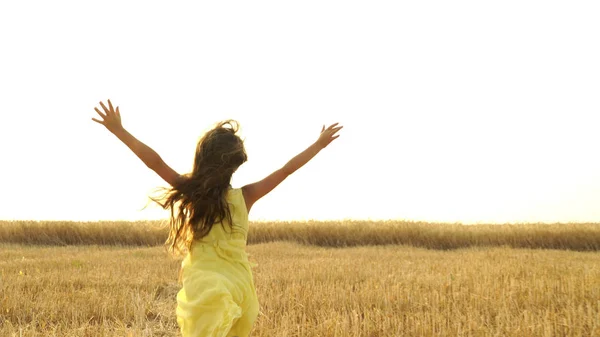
(310, 291)
(61, 233)
(579, 237)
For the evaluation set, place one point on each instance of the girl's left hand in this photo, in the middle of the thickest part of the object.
(328, 135)
(111, 118)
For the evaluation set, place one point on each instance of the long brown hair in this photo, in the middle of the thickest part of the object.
(200, 197)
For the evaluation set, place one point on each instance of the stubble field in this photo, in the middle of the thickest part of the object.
(361, 288)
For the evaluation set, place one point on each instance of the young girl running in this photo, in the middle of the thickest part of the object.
(209, 224)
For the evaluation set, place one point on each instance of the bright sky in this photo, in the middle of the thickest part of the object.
(458, 111)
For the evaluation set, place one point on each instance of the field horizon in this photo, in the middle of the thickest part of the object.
(349, 233)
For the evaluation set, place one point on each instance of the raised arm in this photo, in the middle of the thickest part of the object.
(253, 192)
(111, 119)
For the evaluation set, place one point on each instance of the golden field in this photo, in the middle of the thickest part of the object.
(450, 280)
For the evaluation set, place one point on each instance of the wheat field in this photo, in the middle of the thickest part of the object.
(571, 236)
(330, 286)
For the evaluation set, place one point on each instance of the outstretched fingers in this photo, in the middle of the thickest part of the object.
(332, 132)
(332, 126)
(106, 111)
(109, 112)
(329, 134)
(100, 113)
(335, 130)
(112, 110)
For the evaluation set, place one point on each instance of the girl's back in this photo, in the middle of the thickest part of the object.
(218, 297)
(238, 229)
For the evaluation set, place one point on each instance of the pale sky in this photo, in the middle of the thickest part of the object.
(454, 111)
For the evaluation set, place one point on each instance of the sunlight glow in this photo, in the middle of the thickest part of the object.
(453, 111)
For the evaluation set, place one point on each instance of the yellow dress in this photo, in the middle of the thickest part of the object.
(218, 297)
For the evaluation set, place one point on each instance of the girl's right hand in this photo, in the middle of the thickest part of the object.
(328, 135)
(111, 118)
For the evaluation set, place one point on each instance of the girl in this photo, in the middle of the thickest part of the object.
(209, 224)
